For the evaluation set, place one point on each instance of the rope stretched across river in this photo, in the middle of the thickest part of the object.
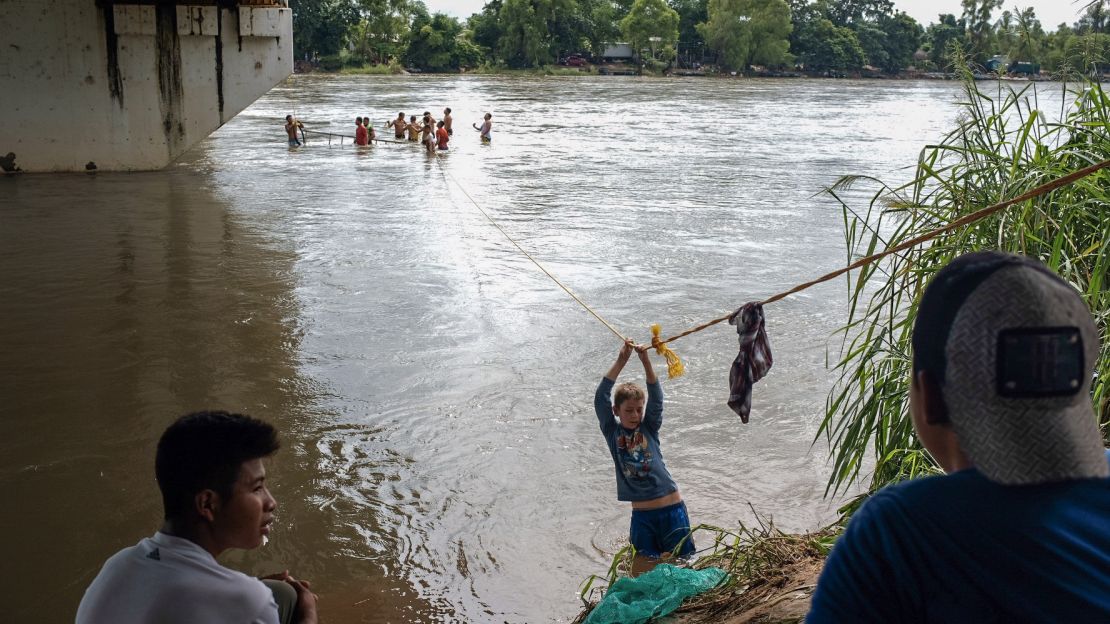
(1048, 187)
(447, 174)
(347, 136)
(927, 236)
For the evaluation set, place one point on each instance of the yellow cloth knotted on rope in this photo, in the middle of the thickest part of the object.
(674, 365)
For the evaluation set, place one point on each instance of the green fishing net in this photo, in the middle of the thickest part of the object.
(654, 594)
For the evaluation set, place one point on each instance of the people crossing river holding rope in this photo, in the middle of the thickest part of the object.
(398, 126)
(362, 137)
(291, 126)
(425, 131)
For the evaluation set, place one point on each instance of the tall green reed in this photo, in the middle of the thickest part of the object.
(1003, 145)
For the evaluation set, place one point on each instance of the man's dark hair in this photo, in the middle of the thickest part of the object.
(205, 450)
(447, 110)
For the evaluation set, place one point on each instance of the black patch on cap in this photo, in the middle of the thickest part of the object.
(944, 297)
(1039, 362)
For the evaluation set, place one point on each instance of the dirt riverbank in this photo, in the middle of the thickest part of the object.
(772, 576)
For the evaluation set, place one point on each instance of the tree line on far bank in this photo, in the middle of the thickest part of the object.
(734, 35)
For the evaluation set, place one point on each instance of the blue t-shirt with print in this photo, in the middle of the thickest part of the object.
(960, 548)
(641, 473)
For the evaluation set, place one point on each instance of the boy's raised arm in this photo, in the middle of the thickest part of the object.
(653, 410)
(649, 372)
(602, 405)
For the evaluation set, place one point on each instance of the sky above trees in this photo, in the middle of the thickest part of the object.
(1050, 12)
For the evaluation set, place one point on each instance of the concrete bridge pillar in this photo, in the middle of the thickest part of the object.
(109, 85)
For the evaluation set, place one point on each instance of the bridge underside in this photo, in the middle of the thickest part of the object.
(99, 85)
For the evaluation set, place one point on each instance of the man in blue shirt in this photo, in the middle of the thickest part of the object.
(1019, 528)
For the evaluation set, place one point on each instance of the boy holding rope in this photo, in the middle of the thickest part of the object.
(659, 518)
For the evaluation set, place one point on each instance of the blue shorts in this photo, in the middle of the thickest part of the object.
(655, 532)
(294, 143)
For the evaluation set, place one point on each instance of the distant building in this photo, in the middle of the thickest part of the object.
(617, 52)
(998, 63)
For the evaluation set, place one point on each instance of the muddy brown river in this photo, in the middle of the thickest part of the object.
(441, 459)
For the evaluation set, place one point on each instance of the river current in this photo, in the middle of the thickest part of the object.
(441, 459)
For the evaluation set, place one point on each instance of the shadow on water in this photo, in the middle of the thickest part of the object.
(126, 300)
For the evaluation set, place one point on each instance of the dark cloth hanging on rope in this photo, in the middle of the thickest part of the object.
(753, 361)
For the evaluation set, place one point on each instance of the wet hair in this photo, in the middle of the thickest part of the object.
(205, 451)
(625, 392)
(439, 125)
(401, 115)
(358, 120)
(447, 110)
(427, 113)
(288, 118)
(412, 118)
(489, 116)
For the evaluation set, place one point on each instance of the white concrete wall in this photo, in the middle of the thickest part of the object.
(77, 95)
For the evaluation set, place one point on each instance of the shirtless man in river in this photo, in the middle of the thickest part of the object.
(447, 121)
(398, 126)
(291, 126)
(487, 127)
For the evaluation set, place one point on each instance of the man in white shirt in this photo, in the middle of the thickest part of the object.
(210, 471)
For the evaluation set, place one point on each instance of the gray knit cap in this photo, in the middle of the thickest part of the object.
(1019, 357)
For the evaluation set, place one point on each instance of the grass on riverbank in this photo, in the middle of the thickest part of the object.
(373, 70)
(1003, 146)
(771, 574)
(546, 70)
